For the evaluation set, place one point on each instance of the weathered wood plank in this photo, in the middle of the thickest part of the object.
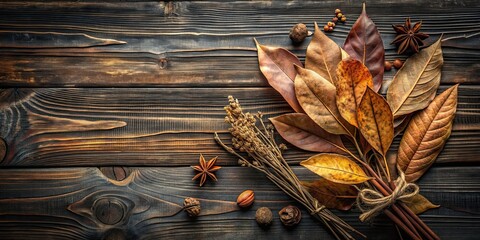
(204, 43)
(150, 200)
(158, 127)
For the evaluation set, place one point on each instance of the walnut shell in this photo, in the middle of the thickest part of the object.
(245, 199)
(290, 215)
(298, 33)
(191, 206)
(264, 216)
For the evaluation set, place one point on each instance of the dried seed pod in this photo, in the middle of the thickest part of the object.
(191, 206)
(245, 199)
(290, 216)
(298, 33)
(397, 63)
(388, 66)
(264, 216)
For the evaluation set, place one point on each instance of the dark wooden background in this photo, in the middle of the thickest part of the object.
(105, 105)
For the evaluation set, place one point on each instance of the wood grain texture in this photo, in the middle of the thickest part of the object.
(150, 200)
(201, 43)
(159, 127)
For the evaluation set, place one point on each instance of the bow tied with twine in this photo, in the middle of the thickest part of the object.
(372, 202)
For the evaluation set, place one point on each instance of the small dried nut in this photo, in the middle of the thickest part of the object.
(191, 206)
(298, 33)
(388, 66)
(397, 63)
(290, 216)
(337, 11)
(245, 199)
(264, 216)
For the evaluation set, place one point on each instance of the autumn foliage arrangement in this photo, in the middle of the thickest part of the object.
(340, 115)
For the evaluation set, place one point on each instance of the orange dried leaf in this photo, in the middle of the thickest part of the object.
(336, 168)
(301, 131)
(375, 121)
(276, 64)
(426, 134)
(323, 55)
(316, 95)
(332, 195)
(352, 81)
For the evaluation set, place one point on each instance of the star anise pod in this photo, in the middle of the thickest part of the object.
(206, 168)
(409, 37)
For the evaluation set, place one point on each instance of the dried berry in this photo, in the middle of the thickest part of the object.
(337, 11)
(343, 19)
(245, 199)
(388, 66)
(326, 28)
(290, 216)
(191, 206)
(264, 216)
(330, 29)
(331, 24)
(339, 15)
(298, 33)
(335, 19)
(397, 63)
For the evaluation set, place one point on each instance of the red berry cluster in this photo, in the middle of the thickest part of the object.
(339, 16)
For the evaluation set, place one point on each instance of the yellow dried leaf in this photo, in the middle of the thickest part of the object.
(426, 134)
(336, 168)
(419, 204)
(375, 121)
(352, 80)
(316, 95)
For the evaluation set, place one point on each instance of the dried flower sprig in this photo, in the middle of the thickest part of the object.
(260, 145)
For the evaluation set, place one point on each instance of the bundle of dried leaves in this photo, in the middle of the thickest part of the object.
(336, 95)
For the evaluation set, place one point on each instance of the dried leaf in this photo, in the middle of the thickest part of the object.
(316, 95)
(301, 131)
(336, 168)
(365, 44)
(352, 81)
(332, 195)
(419, 204)
(375, 121)
(426, 135)
(400, 123)
(323, 55)
(276, 64)
(415, 84)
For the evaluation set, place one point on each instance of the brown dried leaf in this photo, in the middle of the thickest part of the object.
(415, 84)
(332, 195)
(400, 123)
(323, 55)
(276, 64)
(352, 81)
(336, 168)
(316, 95)
(375, 121)
(426, 135)
(365, 44)
(419, 204)
(301, 131)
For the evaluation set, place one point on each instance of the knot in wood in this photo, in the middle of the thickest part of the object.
(109, 211)
(114, 234)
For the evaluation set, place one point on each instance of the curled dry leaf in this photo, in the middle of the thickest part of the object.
(316, 95)
(415, 84)
(419, 204)
(336, 168)
(323, 55)
(352, 81)
(301, 131)
(426, 135)
(276, 64)
(365, 44)
(332, 195)
(375, 121)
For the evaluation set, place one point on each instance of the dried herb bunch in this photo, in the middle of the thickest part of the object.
(266, 156)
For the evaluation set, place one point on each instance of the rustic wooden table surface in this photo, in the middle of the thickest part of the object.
(104, 106)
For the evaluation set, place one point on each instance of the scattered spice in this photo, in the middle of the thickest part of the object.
(264, 216)
(408, 37)
(388, 66)
(191, 206)
(298, 33)
(206, 168)
(245, 199)
(397, 63)
(290, 216)
(338, 17)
